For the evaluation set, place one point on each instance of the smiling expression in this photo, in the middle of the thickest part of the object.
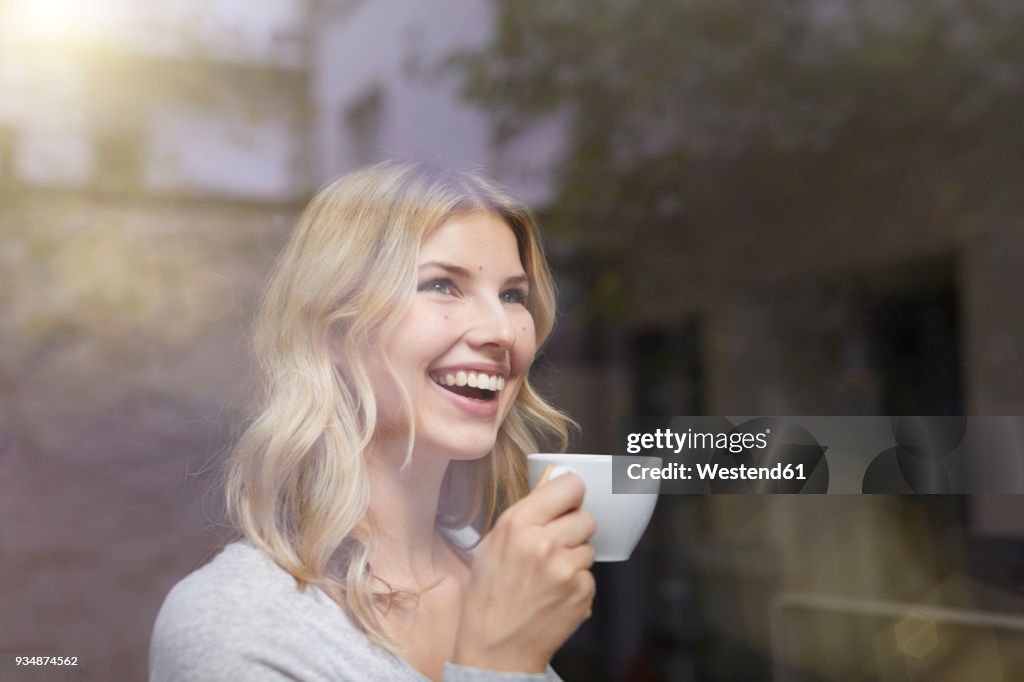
(465, 345)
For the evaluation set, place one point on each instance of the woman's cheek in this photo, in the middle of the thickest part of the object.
(526, 343)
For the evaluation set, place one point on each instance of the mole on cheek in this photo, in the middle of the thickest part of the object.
(480, 268)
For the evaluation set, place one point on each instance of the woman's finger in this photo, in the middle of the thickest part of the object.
(572, 529)
(549, 501)
(581, 556)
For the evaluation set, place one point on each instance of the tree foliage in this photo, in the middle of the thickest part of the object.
(704, 134)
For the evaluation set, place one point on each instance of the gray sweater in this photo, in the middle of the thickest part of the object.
(242, 617)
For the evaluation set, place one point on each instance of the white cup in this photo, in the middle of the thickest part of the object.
(621, 517)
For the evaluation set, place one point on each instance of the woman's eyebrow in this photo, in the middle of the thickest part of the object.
(515, 280)
(454, 269)
(518, 280)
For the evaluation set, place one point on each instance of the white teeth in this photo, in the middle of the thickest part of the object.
(474, 379)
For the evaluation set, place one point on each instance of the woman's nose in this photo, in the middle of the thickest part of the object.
(491, 326)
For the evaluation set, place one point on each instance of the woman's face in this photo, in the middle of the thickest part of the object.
(464, 347)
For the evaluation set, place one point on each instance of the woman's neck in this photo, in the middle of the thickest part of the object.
(408, 550)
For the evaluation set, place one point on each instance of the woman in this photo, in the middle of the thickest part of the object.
(395, 339)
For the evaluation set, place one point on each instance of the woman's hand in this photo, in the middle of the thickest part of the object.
(531, 586)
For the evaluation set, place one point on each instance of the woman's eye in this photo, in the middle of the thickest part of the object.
(515, 296)
(441, 286)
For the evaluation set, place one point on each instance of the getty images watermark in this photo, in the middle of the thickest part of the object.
(817, 455)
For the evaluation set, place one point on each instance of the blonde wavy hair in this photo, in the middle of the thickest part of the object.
(296, 482)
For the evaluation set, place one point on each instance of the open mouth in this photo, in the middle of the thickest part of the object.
(472, 385)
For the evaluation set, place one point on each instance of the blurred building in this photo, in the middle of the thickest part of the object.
(382, 89)
(180, 99)
(132, 141)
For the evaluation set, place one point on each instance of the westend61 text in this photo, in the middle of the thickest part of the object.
(716, 472)
(667, 439)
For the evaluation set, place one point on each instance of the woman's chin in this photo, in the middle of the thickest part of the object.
(465, 454)
(457, 441)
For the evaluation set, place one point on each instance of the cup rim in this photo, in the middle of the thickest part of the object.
(584, 456)
(574, 455)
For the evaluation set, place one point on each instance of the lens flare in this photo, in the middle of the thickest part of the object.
(58, 21)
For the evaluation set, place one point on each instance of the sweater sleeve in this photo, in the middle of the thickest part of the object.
(179, 653)
(238, 618)
(199, 640)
